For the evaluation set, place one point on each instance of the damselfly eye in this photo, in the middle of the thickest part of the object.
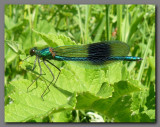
(32, 51)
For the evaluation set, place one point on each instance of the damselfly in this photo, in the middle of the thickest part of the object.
(96, 54)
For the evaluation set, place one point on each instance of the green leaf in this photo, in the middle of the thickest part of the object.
(150, 113)
(29, 105)
(64, 116)
(54, 40)
(113, 106)
(105, 90)
(148, 116)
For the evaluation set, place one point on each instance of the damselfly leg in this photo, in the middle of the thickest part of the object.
(34, 64)
(47, 88)
(38, 76)
(57, 69)
(43, 94)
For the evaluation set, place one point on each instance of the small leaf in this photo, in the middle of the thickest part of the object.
(13, 46)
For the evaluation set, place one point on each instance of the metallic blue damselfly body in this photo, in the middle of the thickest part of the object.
(96, 54)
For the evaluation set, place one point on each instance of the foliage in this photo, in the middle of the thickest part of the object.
(120, 92)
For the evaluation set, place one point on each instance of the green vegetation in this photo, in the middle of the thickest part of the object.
(120, 92)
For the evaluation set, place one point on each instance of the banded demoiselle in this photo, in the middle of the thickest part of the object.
(97, 54)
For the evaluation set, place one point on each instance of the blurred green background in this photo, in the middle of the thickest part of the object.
(27, 26)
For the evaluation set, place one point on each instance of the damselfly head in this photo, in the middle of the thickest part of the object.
(33, 51)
